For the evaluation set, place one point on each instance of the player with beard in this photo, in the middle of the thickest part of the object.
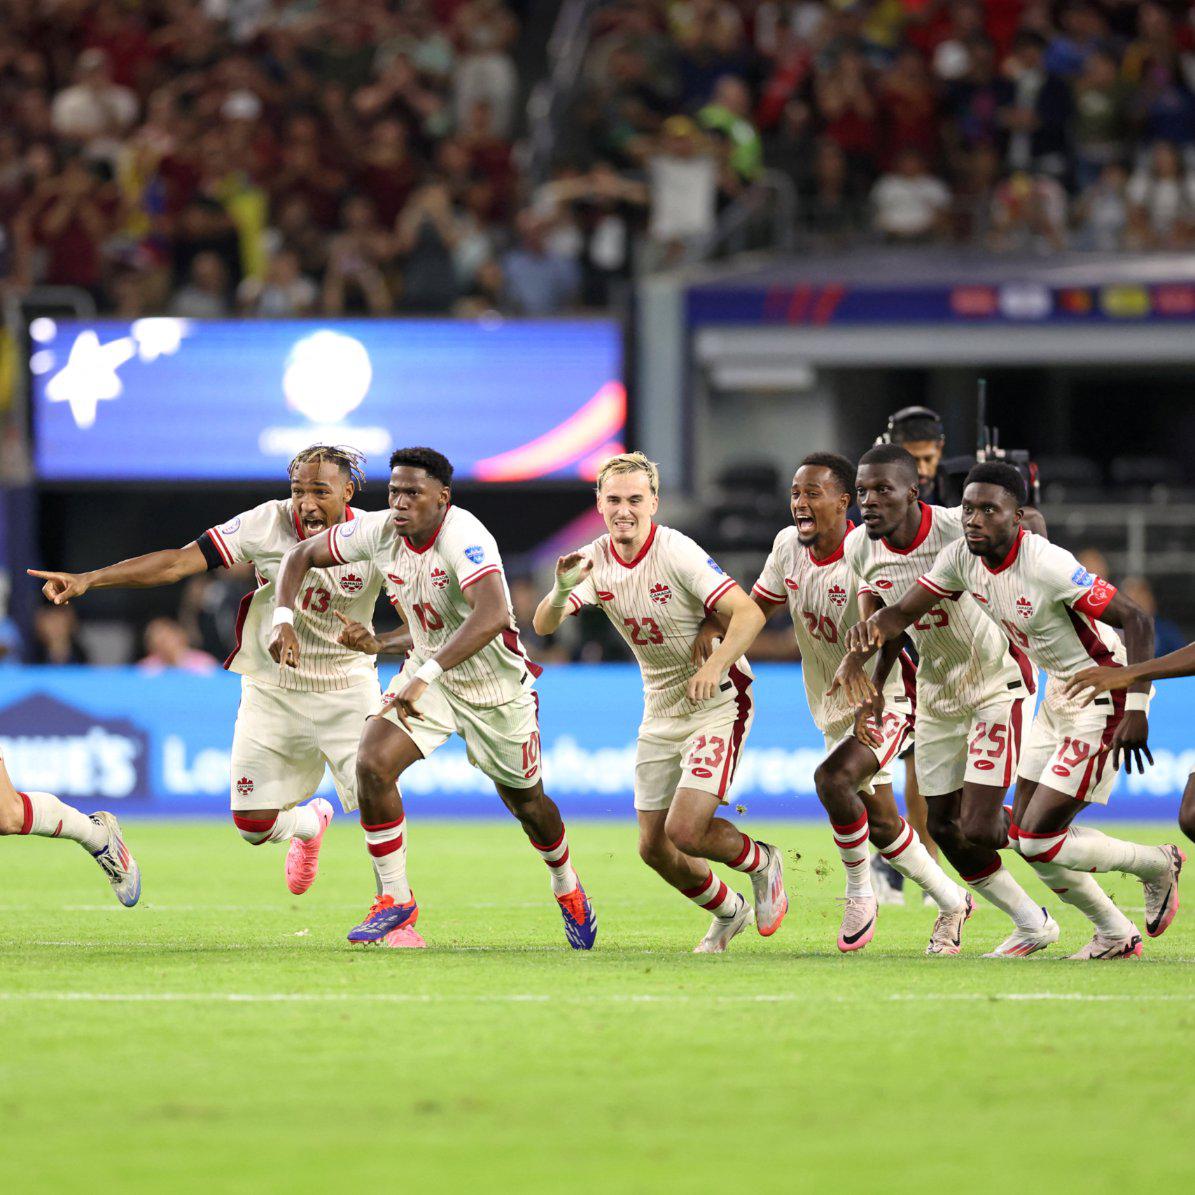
(289, 726)
(807, 572)
(971, 685)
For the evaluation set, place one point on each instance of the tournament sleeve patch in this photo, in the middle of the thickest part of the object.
(476, 554)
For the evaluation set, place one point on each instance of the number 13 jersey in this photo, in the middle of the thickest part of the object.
(657, 602)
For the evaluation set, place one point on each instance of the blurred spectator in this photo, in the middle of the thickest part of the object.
(1103, 210)
(1168, 635)
(834, 209)
(426, 238)
(909, 110)
(355, 281)
(209, 607)
(284, 292)
(910, 204)
(1094, 561)
(953, 55)
(1028, 214)
(56, 637)
(728, 115)
(538, 282)
(1038, 116)
(485, 30)
(205, 296)
(1082, 32)
(167, 648)
(94, 112)
(1161, 202)
(848, 107)
(524, 598)
(1101, 116)
(683, 179)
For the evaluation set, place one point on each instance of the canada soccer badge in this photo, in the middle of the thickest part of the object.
(838, 595)
(351, 583)
(439, 578)
(660, 593)
(1024, 607)
(244, 786)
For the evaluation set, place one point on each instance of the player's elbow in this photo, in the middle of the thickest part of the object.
(540, 622)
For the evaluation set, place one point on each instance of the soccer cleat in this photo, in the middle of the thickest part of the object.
(858, 922)
(407, 937)
(1161, 895)
(722, 929)
(1022, 942)
(302, 858)
(886, 882)
(947, 935)
(1109, 948)
(771, 901)
(384, 918)
(580, 921)
(119, 866)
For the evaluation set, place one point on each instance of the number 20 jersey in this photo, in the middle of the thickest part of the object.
(964, 661)
(657, 602)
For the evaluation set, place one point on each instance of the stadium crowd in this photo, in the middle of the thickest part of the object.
(285, 157)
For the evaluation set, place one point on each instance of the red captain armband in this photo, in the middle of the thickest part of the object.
(1097, 599)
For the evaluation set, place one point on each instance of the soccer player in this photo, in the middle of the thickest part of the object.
(467, 674)
(1087, 685)
(656, 586)
(291, 723)
(1051, 608)
(44, 815)
(807, 572)
(971, 686)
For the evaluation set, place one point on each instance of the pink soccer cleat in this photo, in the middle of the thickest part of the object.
(1161, 894)
(406, 937)
(302, 859)
(858, 922)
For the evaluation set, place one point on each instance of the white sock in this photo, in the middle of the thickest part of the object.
(387, 844)
(1080, 890)
(301, 822)
(999, 887)
(752, 858)
(856, 857)
(564, 878)
(715, 896)
(908, 855)
(1083, 849)
(48, 817)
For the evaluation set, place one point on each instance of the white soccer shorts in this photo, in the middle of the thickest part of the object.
(1072, 753)
(981, 747)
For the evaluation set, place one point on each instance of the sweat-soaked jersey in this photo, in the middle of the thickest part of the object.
(1043, 600)
(261, 537)
(963, 661)
(427, 586)
(657, 603)
(823, 604)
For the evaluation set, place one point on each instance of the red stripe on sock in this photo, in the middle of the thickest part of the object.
(907, 835)
(718, 897)
(851, 844)
(254, 825)
(704, 886)
(551, 848)
(853, 862)
(990, 870)
(378, 849)
(747, 845)
(383, 826)
(853, 828)
(1019, 833)
(558, 862)
(27, 816)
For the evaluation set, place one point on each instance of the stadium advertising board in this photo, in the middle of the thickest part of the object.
(118, 739)
(175, 399)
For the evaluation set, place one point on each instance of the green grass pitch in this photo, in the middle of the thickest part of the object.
(223, 1037)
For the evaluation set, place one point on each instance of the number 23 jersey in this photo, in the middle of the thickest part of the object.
(657, 602)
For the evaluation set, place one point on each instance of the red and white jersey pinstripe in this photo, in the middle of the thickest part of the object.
(657, 602)
(963, 661)
(1043, 600)
(427, 586)
(823, 604)
(261, 537)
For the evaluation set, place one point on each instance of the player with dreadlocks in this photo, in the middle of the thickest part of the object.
(291, 721)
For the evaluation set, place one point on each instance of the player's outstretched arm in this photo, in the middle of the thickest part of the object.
(1091, 682)
(713, 627)
(138, 572)
(744, 622)
(571, 570)
(307, 554)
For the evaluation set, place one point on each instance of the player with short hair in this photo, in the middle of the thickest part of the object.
(289, 725)
(1061, 616)
(971, 685)
(45, 816)
(467, 674)
(656, 586)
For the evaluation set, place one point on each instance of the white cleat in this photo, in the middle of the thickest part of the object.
(771, 901)
(886, 882)
(119, 865)
(1110, 948)
(858, 922)
(1161, 894)
(1023, 942)
(722, 929)
(947, 935)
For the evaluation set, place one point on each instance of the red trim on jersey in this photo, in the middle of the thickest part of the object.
(254, 825)
(1091, 643)
(1097, 599)
(990, 870)
(743, 703)
(511, 641)
(766, 595)
(647, 543)
(1011, 557)
(220, 546)
(903, 840)
(719, 593)
(1025, 664)
(576, 604)
(26, 814)
(927, 521)
(937, 590)
(435, 535)
(242, 614)
(379, 850)
(481, 572)
(1013, 750)
(837, 553)
(908, 677)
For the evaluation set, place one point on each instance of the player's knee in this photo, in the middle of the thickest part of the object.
(12, 815)
(883, 828)
(373, 772)
(831, 785)
(985, 829)
(943, 827)
(685, 836)
(254, 827)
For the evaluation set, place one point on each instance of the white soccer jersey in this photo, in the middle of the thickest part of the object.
(657, 602)
(963, 660)
(821, 598)
(1044, 601)
(427, 586)
(261, 537)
